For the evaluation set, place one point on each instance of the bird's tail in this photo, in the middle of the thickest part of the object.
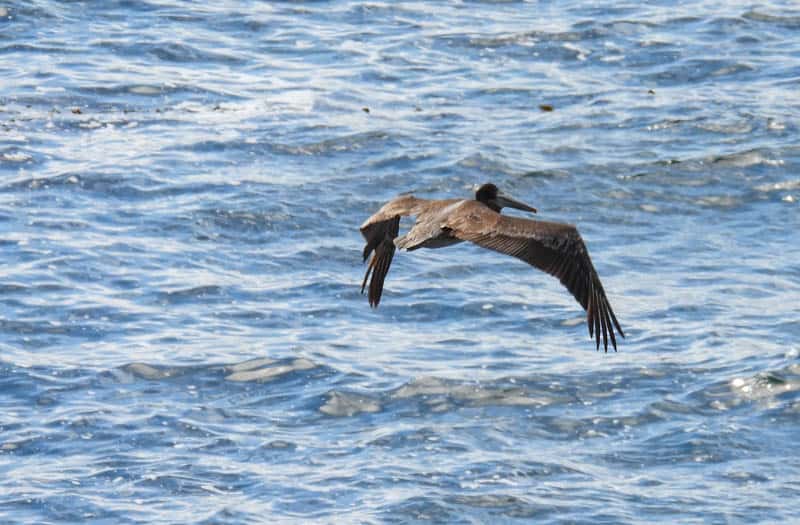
(381, 240)
(378, 267)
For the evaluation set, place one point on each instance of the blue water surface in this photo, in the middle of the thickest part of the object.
(182, 337)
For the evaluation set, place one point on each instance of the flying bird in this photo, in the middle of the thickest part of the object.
(553, 247)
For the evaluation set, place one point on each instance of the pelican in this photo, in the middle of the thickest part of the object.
(553, 247)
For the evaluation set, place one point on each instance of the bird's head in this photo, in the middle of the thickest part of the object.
(497, 200)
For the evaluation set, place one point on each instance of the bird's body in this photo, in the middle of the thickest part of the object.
(550, 246)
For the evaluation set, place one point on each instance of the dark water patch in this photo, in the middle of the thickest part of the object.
(49, 224)
(483, 164)
(404, 162)
(343, 144)
(790, 21)
(204, 293)
(236, 381)
(698, 71)
(727, 25)
(499, 506)
(581, 34)
(243, 24)
(34, 49)
(378, 13)
(676, 448)
(256, 226)
(169, 52)
(117, 184)
(352, 143)
(743, 159)
(91, 182)
(420, 509)
(37, 331)
(238, 145)
(12, 288)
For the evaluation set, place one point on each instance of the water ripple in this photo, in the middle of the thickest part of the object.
(182, 333)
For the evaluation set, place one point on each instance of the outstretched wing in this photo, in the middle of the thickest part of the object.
(380, 231)
(552, 247)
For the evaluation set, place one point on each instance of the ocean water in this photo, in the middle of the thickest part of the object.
(182, 337)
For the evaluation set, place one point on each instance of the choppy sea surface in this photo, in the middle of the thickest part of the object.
(182, 337)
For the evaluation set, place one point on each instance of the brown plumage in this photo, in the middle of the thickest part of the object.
(552, 247)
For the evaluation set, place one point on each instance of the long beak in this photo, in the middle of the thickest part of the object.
(506, 201)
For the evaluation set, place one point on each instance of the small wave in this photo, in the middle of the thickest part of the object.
(774, 391)
(698, 71)
(745, 159)
(685, 446)
(258, 370)
(241, 223)
(349, 142)
(154, 91)
(788, 185)
(190, 294)
(771, 388)
(441, 394)
(16, 156)
(261, 370)
(37, 49)
(720, 201)
(790, 21)
(343, 404)
(485, 165)
(149, 372)
(170, 52)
